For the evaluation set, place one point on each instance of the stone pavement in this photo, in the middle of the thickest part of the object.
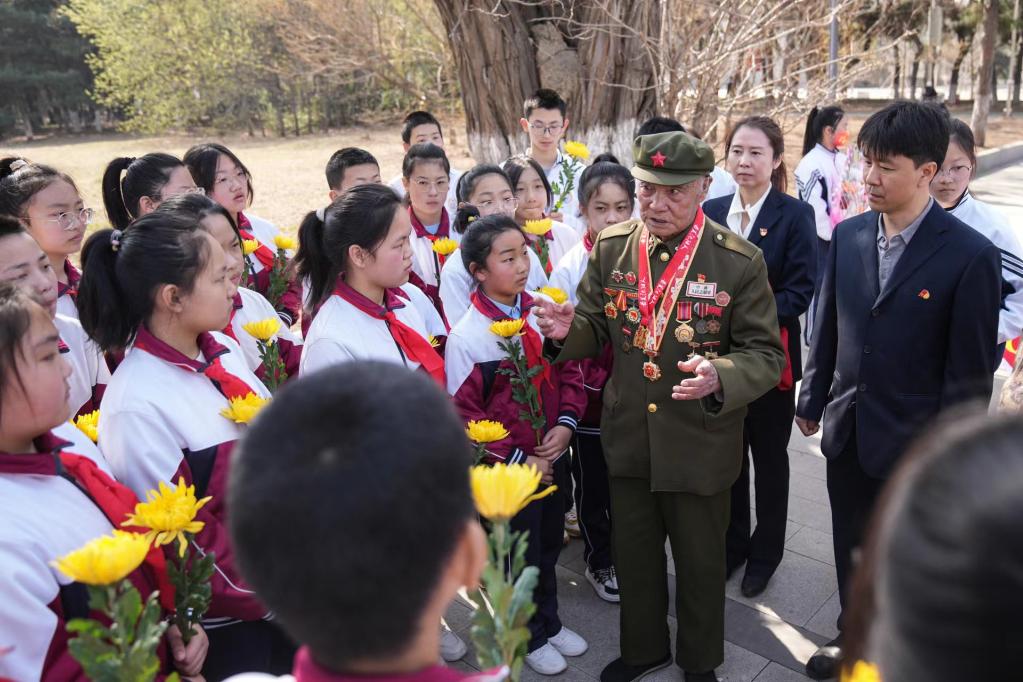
(768, 639)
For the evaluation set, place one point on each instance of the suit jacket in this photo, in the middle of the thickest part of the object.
(692, 446)
(884, 363)
(786, 234)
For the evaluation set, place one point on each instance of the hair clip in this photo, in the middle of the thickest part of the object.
(18, 164)
(115, 240)
(321, 212)
(472, 218)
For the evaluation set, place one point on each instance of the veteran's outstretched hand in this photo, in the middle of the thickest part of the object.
(554, 319)
(702, 385)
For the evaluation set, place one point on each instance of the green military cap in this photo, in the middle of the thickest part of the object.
(672, 158)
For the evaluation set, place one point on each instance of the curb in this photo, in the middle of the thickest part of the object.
(1000, 157)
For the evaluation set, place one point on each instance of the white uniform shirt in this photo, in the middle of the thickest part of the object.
(88, 366)
(817, 176)
(570, 271)
(735, 211)
(456, 284)
(254, 308)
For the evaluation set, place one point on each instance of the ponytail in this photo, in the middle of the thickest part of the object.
(113, 202)
(310, 262)
(466, 214)
(144, 176)
(816, 121)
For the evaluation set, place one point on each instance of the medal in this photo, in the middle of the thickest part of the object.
(722, 298)
(639, 338)
(632, 315)
(630, 277)
(626, 345)
(651, 371)
(701, 326)
(610, 311)
(684, 333)
(713, 327)
(617, 276)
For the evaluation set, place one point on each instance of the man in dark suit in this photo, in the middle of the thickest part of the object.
(906, 326)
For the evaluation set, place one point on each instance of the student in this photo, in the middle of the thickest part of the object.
(425, 176)
(24, 264)
(248, 305)
(55, 497)
(494, 251)
(783, 228)
(534, 201)
(606, 195)
(818, 178)
(356, 259)
(907, 326)
(48, 203)
(160, 289)
(421, 127)
(545, 121)
(364, 477)
(148, 181)
(482, 191)
(951, 189)
(226, 180)
(721, 182)
(350, 167)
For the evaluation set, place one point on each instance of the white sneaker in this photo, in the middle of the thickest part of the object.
(547, 660)
(568, 643)
(572, 523)
(605, 584)
(452, 648)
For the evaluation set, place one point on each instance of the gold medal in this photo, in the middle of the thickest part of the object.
(639, 338)
(684, 333)
(610, 311)
(651, 371)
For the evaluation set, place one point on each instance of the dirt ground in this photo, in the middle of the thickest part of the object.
(288, 173)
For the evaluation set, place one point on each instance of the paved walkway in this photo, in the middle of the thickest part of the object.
(768, 639)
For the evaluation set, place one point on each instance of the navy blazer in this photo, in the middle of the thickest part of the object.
(787, 235)
(883, 363)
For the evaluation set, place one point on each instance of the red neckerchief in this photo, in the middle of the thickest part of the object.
(305, 669)
(228, 384)
(443, 230)
(115, 500)
(587, 241)
(545, 260)
(235, 307)
(411, 342)
(73, 278)
(532, 344)
(264, 254)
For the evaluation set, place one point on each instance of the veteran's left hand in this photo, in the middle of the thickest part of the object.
(705, 383)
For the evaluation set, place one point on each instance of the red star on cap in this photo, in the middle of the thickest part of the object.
(658, 159)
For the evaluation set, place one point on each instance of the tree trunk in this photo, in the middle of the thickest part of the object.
(982, 99)
(918, 48)
(953, 80)
(1017, 56)
(897, 74)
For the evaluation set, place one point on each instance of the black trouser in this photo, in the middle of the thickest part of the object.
(592, 498)
(822, 261)
(248, 646)
(852, 493)
(766, 436)
(545, 521)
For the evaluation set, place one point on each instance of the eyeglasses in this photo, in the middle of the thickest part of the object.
(67, 219)
(507, 203)
(552, 129)
(440, 185)
(954, 172)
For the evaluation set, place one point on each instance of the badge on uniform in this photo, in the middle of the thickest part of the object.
(763, 231)
(924, 294)
(610, 311)
(632, 315)
(722, 298)
(684, 333)
(630, 277)
(617, 276)
(701, 289)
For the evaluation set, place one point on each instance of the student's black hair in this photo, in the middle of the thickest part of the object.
(22, 182)
(478, 240)
(941, 582)
(775, 137)
(10, 225)
(361, 216)
(917, 131)
(342, 160)
(367, 508)
(122, 270)
(416, 119)
(516, 165)
(144, 176)
(607, 157)
(197, 207)
(202, 160)
(15, 318)
(660, 124)
(962, 135)
(544, 98)
(816, 121)
(425, 152)
(603, 172)
(466, 186)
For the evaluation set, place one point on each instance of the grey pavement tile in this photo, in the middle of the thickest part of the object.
(814, 466)
(570, 552)
(740, 664)
(779, 673)
(808, 513)
(798, 589)
(800, 443)
(812, 543)
(824, 621)
(769, 636)
(809, 488)
(596, 620)
(573, 674)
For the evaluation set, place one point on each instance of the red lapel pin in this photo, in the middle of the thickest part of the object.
(924, 294)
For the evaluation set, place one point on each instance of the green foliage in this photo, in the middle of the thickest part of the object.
(523, 391)
(190, 576)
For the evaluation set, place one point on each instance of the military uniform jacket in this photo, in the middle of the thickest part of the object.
(692, 446)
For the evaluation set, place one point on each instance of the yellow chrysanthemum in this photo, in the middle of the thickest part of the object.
(105, 560)
(507, 328)
(285, 243)
(553, 293)
(249, 246)
(89, 425)
(485, 431)
(244, 410)
(502, 491)
(861, 672)
(577, 150)
(169, 514)
(264, 330)
(433, 341)
(538, 227)
(445, 246)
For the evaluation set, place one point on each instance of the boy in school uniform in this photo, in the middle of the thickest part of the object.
(349, 167)
(545, 120)
(360, 494)
(420, 127)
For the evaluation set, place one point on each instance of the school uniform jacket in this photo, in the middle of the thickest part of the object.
(994, 225)
(45, 516)
(784, 231)
(883, 363)
(89, 372)
(817, 178)
(480, 391)
(456, 285)
(67, 294)
(427, 263)
(264, 232)
(250, 306)
(160, 420)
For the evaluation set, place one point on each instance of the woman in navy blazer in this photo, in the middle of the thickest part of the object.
(783, 228)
